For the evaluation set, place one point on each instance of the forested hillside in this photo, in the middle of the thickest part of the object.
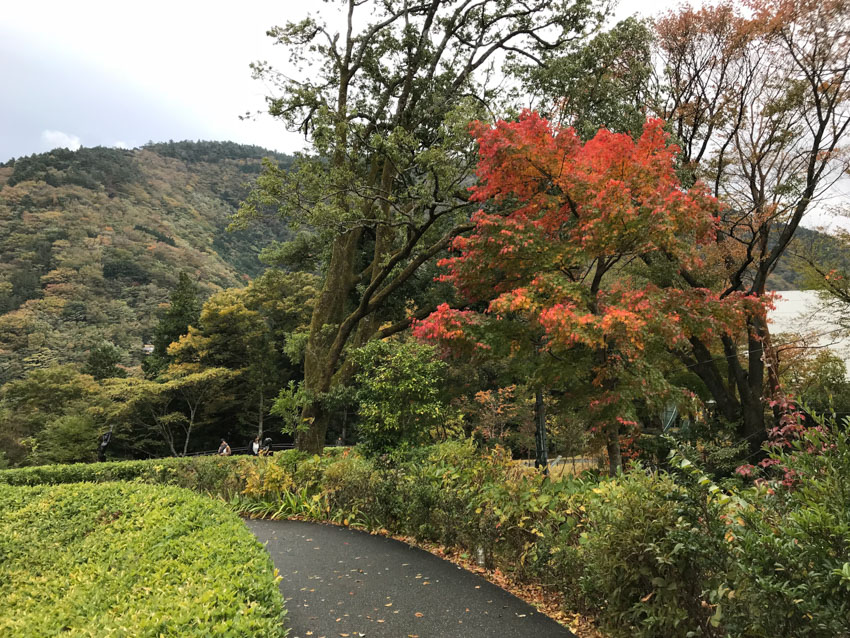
(807, 246)
(92, 243)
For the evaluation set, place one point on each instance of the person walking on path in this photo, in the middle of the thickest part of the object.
(224, 449)
(254, 447)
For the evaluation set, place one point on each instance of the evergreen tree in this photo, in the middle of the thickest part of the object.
(103, 362)
(183, 311)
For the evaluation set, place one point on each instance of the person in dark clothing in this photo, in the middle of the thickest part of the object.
(266, 448)
(254, 447)
(105, 438)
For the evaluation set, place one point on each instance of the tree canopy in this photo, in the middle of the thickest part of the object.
(566, 244)
(385, 106)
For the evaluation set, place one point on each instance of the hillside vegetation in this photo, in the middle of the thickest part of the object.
(93, 242)
(808, 244)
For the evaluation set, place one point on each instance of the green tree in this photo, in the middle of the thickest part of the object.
(183, 311)
(70, 438)
(193, 391)
(401, 394)
(250, 331)
(385, 106)
(605, 84)
(149, 422)
(30, 405)
(103, 362)
(160, 415)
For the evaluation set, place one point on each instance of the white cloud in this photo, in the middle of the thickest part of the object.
(120, 144)
(58, 139)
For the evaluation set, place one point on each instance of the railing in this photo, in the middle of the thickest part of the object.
(275, 447)
(561, 461)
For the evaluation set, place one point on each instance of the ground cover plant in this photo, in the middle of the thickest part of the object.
(123, 559)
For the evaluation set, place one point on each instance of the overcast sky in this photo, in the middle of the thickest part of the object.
(113, 73)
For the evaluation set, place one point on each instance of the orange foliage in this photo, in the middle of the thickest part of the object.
(561, 220)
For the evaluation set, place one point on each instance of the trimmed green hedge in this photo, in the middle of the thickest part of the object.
(123, 559)
(207, 474)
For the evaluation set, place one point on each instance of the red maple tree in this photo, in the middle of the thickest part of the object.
(583, 244)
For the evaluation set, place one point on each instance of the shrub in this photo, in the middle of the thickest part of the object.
(792, 543)
(400, 396)
(349, 484)
(675, 555)
(652, 550)
(124, 559)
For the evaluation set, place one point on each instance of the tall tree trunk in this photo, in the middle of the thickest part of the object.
(321, 359)
(740, 398)
(262, 414)
(312, 440)
(328, 313)
(612, 445)
(705, 367)
(541, 459)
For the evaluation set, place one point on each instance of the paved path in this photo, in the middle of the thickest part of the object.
(340, 582)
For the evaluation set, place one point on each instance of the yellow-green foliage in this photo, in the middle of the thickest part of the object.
(122, 559)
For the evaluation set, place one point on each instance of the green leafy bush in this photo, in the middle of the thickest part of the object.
(652, 551)
(792, 543)
(676, 555)
(401, 396)
(124, 559)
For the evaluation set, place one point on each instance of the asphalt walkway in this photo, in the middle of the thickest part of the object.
(344, 583)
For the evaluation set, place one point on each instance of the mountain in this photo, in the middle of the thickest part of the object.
(92, 243)
(791, 271)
